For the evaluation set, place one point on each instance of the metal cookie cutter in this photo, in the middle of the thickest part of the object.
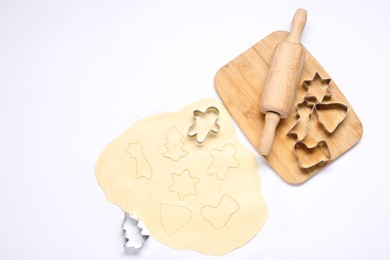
(329, 116)
(336, 119)
(134, 232)
(303, 112)
(317, 89)
(205, 123)
(305, 155)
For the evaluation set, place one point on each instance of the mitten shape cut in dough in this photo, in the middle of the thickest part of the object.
(199, 196)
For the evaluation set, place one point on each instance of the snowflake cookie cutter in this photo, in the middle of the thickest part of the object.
(205, 123)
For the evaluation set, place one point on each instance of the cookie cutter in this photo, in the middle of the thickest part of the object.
(324, 107)
(311, 84)
(203, 126)
(300, 120)
(133, 240)
(321, 146)
(315, 108)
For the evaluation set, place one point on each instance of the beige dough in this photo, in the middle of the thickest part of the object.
(187, 177)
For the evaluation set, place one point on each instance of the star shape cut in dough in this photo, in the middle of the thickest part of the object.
(205, 123)
(317, 89)
(184, 184)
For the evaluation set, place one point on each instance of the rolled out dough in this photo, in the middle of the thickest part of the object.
(203, 197)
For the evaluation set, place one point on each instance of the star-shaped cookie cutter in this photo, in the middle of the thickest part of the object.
(202, 131)
(327, 92)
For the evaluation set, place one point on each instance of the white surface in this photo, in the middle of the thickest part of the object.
(76, 74)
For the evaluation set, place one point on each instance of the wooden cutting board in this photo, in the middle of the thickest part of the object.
(240, 84)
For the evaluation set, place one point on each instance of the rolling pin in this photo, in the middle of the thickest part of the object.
(282, 80)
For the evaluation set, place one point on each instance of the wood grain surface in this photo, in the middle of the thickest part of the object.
(240, 84)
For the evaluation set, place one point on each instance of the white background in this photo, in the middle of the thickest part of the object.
(76, 74)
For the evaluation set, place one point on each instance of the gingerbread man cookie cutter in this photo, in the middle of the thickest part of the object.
(205, 123)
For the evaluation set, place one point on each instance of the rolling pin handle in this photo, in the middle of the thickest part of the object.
(297, 26)
(267, 136)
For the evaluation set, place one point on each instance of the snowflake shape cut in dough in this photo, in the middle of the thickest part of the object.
(205, 123)
(184, 184)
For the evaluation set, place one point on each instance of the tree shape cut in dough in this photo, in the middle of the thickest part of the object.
(174, 145)
(205, 123)
(220, 215)
(143, 169)
(317, 89)
(184, 184)
(174, 217)
(223, 160)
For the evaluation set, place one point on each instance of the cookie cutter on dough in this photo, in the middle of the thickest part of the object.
(128, 224)
(322, 146)
(206, 128)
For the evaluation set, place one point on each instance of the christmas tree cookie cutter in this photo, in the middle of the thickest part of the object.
(134, 232)
(303, 111)
(205, 123)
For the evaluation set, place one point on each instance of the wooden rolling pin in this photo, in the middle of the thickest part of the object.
(282, 80)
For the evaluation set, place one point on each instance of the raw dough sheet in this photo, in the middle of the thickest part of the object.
(188, 178)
